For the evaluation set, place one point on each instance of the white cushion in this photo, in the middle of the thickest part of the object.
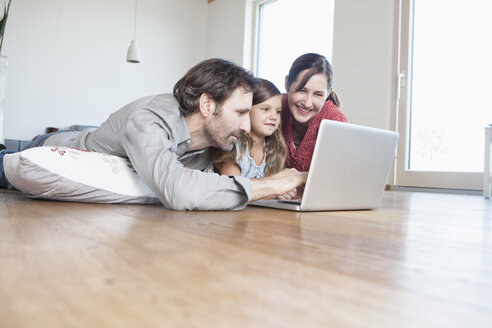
(63, 173)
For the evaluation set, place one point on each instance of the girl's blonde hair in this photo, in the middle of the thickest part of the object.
(276, 151)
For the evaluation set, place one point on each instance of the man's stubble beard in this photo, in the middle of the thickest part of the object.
(218, 137)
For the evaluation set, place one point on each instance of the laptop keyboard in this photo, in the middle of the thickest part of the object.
(294, 202)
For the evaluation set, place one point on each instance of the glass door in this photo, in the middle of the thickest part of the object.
(445, 64)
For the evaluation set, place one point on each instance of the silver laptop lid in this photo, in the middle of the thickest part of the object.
(350, 167)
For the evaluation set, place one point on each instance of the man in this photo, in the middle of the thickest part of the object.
(167, 139)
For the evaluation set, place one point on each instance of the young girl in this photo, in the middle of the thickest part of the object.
(262, 152)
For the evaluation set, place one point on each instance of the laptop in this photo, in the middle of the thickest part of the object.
(349, 169)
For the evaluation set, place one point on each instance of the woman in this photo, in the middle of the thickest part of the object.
(309, 99)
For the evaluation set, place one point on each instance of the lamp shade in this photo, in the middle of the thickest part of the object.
(133, 54)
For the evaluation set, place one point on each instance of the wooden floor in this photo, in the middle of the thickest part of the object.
(421, 260)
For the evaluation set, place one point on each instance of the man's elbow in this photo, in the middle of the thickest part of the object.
(176, 199)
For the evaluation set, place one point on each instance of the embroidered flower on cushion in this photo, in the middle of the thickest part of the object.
(60, 151)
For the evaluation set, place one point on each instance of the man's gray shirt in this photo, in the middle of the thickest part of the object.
(153, 134)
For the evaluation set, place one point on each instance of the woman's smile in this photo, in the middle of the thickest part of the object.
(303, 110)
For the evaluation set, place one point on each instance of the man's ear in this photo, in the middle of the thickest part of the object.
(206, 104)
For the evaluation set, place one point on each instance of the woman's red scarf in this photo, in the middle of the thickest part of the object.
(300, 158)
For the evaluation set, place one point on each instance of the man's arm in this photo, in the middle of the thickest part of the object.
(277, 184)
(149, 146)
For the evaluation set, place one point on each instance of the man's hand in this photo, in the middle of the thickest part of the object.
(290, 195)
(276, 185)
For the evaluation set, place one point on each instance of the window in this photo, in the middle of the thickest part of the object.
(287, 29)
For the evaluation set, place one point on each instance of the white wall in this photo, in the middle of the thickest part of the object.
(226, 30)
(364, 60)
(67, 57)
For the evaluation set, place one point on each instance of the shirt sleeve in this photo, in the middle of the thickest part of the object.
(149, 146)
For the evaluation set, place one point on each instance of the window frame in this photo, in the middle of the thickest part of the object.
(256, 33)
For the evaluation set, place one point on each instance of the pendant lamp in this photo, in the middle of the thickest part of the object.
(133, 54)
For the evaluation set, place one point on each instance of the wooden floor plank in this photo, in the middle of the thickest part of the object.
(420, 260)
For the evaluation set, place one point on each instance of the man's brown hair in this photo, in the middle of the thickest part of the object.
(215, 77)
